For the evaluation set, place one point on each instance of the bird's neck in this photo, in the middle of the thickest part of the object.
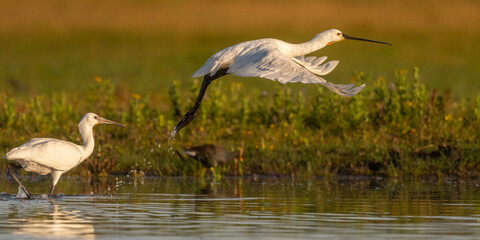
(318, 42)
(88, 141)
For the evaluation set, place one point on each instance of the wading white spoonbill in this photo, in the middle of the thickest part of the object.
(53, 156)
(275, 60)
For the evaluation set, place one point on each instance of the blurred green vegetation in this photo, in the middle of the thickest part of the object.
(53, 45)
(142, 55)
(147, 63)
(396, 128)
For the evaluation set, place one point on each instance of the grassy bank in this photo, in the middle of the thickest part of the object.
(144, 52)
(394, 127)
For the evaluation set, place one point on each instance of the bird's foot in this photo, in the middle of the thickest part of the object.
(24, 193)
(11, 171)
(29, 195)
(187, 118)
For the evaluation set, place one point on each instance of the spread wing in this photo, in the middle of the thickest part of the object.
(272, 64)
(53, 153)
(312, 64)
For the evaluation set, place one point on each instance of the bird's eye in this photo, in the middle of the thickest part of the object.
(95, 117)
(339, 34)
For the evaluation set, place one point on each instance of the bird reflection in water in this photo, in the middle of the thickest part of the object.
(52, 221)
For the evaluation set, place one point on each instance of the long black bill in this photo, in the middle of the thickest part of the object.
(363, 39)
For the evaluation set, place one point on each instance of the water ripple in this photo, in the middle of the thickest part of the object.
(250, 210)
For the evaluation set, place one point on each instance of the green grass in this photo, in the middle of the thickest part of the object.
(53, 45)
(148, 63)
(401, 124)
(398, 128)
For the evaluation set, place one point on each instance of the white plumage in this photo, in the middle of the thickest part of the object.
(275, 60)
(44, 155)
(54, 156)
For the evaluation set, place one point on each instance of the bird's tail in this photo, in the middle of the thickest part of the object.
(346, 90)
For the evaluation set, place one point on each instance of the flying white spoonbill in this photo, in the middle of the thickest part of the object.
(53, 156)
(275, 60)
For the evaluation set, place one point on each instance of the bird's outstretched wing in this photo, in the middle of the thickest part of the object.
(47, 152)
(274, 65)
(312, 64)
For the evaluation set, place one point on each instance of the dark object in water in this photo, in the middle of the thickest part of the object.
(210, 154)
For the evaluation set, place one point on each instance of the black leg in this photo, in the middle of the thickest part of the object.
(11, 171)
(190, 115)
(52, 187)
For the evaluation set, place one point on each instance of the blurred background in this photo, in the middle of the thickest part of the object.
(145, 45)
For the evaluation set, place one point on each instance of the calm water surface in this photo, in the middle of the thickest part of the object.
(236, 208)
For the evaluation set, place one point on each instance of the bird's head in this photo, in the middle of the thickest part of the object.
(93, 119)
(334, 35)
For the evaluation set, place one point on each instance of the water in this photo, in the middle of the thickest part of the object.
(248, 208)
(171, 140)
